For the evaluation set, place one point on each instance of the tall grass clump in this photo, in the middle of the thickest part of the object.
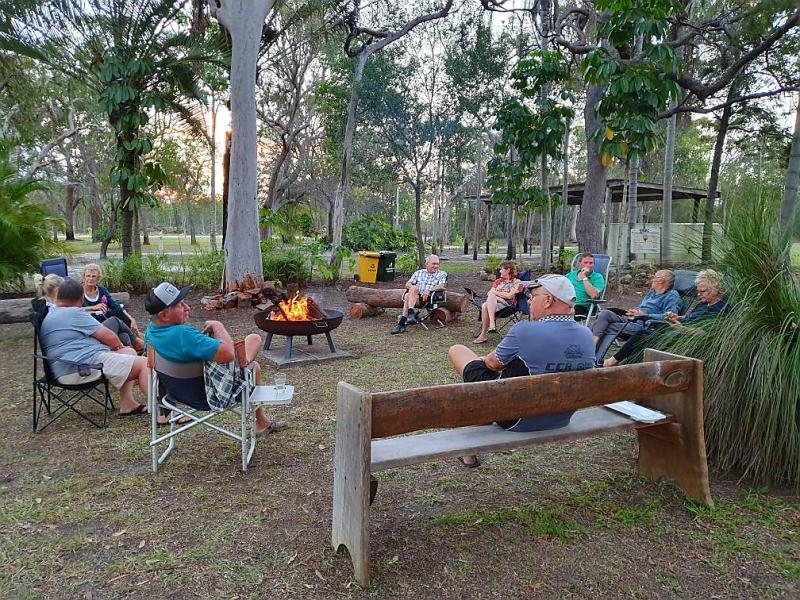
(751, 355)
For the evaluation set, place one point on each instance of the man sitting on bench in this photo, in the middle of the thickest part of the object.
(419, 289)
(551, 342)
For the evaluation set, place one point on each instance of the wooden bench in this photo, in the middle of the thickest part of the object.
(673, 448)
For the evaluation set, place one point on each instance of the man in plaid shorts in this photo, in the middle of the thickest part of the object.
(419, 288)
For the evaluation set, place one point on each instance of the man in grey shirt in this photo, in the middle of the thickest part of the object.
(71, 333)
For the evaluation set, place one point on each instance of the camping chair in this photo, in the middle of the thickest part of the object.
(512, 313)
(170, 382)
(426, 311)
(54, 265)
(47, 391)
(602, 265)
(684, 285)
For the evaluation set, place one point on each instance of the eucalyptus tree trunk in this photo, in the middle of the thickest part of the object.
(713, 178)
(478, 200)
(213, 171)
(789, 203)
(418, 220)
(547, 239)
(564, 191)
(347, 154)
(244, 20)
(666, 200)
(633, 185)
(589, 224)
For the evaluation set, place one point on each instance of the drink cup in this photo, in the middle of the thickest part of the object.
(280, 382)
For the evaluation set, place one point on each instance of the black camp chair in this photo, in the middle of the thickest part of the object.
(513, 313)
(54, 398)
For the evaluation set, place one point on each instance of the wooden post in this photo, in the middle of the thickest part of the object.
(677, 450)
(351, 473)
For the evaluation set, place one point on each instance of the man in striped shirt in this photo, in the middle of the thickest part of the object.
(418, 289)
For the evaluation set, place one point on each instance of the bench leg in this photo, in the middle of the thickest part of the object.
(677, 450)
(351, 477)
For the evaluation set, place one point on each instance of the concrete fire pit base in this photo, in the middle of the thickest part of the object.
(302, 354)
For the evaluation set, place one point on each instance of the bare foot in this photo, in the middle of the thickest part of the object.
(610, 362)
(480, 340)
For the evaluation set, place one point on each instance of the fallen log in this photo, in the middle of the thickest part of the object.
(359, 310)
(15, 310)
(394, 298)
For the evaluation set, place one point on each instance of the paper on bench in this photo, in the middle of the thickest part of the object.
(636, 412)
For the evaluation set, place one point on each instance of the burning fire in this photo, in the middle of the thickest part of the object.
(296, 308)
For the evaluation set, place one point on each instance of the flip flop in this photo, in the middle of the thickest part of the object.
(181, 421)
(472, 465)
(141, 409)
(477, 341)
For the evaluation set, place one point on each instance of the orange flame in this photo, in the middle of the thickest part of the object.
(297, 308)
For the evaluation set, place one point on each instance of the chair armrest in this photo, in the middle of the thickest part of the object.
(596, 300)
(96, 367)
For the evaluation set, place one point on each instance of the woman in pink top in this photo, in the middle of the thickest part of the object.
(503, 293)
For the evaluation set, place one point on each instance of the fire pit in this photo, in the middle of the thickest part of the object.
(297, 316)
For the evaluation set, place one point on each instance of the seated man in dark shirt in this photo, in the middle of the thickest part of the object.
(551, 342)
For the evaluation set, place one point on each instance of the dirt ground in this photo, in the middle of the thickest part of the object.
(83, 517)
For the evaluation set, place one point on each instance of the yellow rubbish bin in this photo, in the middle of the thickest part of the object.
(367, 267)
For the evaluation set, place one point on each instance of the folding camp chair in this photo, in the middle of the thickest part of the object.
(512, 313)
(170, 381)
(57, 266)
(602, 265)
(684, 285)
(54, 398)
(426, 311)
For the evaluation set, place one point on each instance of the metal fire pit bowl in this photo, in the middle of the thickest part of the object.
(295, 328)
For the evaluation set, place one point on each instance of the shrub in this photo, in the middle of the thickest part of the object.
(26, 229)
(565, 258)
(406, 264)
(205, 269)
(492, 264)
(751, 355)
(286, 267)
(376, 233)
(137, 274)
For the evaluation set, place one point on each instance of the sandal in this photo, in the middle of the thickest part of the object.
(141, 409)
(480, 341)
(472, 465)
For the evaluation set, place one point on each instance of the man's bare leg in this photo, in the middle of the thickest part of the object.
(252, 346)
(410, 299)
(460, 356)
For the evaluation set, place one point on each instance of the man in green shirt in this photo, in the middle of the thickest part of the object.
(588, 284)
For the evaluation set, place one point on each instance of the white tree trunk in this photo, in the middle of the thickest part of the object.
(347, 153)
(666, 200)
(213, 171)
(244, 20)
(789, 203)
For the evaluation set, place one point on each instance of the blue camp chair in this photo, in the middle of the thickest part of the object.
(57, 266)
(602, 265)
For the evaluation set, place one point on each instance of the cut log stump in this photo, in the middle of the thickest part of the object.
(359, 310)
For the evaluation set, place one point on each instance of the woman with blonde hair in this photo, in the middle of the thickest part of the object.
(503, 293)
(47, 287)
(99, 303)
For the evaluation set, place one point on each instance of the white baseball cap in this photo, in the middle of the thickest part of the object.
(557, 286)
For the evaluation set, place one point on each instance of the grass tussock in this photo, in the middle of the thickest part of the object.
(752, 355)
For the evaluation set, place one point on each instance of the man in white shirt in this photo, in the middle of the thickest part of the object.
(419, 287)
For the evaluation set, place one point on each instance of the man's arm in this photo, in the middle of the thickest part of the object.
(491, 362)
(105, 336)
(590, 289)
(225, 353)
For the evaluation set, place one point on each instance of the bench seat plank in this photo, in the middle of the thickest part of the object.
(388, 453)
